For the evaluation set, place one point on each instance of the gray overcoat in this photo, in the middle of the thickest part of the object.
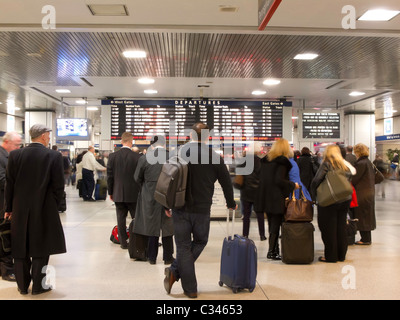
(150, 216)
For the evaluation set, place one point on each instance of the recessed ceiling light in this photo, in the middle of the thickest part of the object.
(271, 82)
(92, 108)
(306, 56)
(150, 91)
(82, 101)
(258, 92)
(356, 93)
(146, 81)
(108, 9)
(378, 15)
(134, 54)
(63, 91)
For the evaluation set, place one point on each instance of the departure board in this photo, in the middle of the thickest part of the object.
(245, 120)
(321, 125)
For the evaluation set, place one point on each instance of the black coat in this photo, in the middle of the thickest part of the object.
(364, 183)
(308, 168)
(34, 189)
(251, 182)
(121, 168)
(275, 185)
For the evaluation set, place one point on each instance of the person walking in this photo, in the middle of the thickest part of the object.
(34, 189)
(121, 185)
(275, 186)
(151, 220)
(89, 165)
(11, 141)
(192, 222)
(364, 183)
(332, 219)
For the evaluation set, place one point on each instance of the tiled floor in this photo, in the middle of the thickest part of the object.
(94, 268)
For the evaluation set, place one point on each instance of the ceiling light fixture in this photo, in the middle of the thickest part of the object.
(82, 101)
(258, 92)
(134, 54)
(92, 108)
(146, 81)
(150, 91)
(63, 91)
(356, 93)
(306, 56)
(271, 82)
(379, 15)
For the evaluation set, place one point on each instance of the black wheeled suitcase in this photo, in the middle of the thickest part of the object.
(297, 242)
(137, 246)
(100, 192)
(238, 262)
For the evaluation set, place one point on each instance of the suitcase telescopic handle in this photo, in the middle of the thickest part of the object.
(233, 222)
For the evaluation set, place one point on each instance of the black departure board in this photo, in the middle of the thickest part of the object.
(245, 120)
(321, 125)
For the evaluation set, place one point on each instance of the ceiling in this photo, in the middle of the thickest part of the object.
(193, 43)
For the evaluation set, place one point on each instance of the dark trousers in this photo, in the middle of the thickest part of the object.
(188, 249)
(168, 248)
(6, 266)
(332, 223)
(122, 209)
(247, 209)
(87, 184)
(28, 269)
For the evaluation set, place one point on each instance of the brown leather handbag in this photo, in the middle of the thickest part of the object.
(299, 210)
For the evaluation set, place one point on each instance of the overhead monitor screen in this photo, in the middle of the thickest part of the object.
(72, 129)
(321, 125)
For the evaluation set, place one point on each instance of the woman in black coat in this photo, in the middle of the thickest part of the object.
(332, 219)
(275, 186)
(364, 183)
(308, 167)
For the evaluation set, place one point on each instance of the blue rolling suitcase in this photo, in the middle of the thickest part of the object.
(238, 262)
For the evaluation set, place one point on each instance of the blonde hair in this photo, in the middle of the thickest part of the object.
(333, 155)
(361, 150)
(280, 147)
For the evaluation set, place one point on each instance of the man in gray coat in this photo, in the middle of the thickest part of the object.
(11, 141)
(34, 189)
(150, 215)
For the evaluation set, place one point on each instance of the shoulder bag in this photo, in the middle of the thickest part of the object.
(335, 188)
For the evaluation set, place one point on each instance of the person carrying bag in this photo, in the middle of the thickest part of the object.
(332, 191)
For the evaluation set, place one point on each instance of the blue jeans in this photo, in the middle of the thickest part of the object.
(188, 249)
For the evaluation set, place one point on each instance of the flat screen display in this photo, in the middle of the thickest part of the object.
(321, 125)
(73, 129)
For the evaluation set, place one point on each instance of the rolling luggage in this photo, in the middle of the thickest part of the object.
(137, 246)
(297, 242)
(100, 192)
(238, 262)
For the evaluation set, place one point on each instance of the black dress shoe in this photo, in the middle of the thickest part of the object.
(23, 292)
(191, 295)
(169, 280)
(9, 277)
(36, 292)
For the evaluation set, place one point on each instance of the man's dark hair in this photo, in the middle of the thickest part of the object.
(201, 130)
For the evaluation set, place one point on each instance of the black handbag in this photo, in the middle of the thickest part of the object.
(378, 175)
(5, 238)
